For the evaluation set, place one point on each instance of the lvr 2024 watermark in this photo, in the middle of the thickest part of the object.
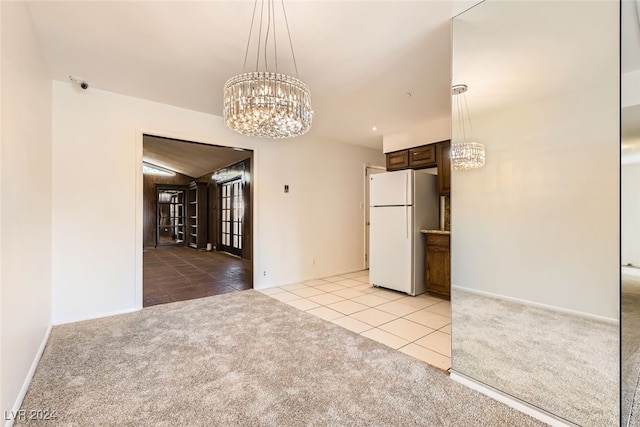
(31, 414)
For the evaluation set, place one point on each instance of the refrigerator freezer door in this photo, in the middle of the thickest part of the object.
(391, 251)
(391, 188)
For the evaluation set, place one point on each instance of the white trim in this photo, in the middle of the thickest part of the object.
(538, 305)
(138, 221)
(314, 278)
(511, 401)
(27, 381)
(99, 316)
(630, 157)
(633, 273)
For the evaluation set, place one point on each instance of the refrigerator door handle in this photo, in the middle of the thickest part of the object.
(406, 188)
(406, 204)
(406, 220)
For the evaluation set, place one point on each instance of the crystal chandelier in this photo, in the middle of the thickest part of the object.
(465, 154)
(266, 104)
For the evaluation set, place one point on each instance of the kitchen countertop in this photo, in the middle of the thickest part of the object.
(435, 231)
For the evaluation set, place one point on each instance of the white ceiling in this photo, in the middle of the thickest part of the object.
(360, 58)
(189, 158)
(548, 52)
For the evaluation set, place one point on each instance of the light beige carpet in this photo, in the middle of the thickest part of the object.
(565, 364)
(243, 359)
(630, 353)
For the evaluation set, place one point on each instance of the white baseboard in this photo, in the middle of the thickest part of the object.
(99, 316)
(538, 305)
(27, 381)
(632, 273)
(511, 401)
(261, 288)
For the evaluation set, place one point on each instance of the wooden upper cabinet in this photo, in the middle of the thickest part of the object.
(422, 157)
(443, 155)
(425, 156)
(398, 160)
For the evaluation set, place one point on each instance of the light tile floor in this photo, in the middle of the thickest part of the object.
(419, 326)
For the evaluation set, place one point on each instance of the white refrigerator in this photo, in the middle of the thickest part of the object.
(401, 204)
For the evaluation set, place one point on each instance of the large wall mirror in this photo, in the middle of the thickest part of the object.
(630, 204)
(535, 232)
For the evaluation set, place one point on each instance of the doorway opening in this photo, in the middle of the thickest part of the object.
(197, 220)
(171, 215)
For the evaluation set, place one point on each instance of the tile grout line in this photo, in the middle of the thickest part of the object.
(370, 327)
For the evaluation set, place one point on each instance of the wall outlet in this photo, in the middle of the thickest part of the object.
(264, 273)
(313, 262)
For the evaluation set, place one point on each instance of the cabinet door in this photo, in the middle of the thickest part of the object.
(444, 167)
(398, 160)
(422, 157)
(438, 265)
(391, 263)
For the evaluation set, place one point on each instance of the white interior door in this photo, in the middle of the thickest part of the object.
(369, 170)
(391, 247)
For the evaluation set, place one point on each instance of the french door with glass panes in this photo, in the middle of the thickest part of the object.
(231, 216)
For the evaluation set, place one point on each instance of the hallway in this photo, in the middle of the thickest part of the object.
(178, 273)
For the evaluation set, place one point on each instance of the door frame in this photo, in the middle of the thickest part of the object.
(230, 248)
(164, 187)
(138, 249)
(368, 169)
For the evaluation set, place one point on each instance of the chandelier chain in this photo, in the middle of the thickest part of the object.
(271, 29)
(260, 34)
(266, 36)
(460, 117)
(286, 21)
(275, 39)
(466, 107)
(253, 17)
(267, 104)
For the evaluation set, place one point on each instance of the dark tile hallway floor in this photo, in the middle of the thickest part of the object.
(178, 273)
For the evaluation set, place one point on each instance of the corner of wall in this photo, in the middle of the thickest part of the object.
(25, 180)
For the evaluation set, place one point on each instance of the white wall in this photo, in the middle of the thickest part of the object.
(540, 222)
(322, 216)
(97, 199)
(420, 134)
(631, 92)
(630, 204)
(25, 199)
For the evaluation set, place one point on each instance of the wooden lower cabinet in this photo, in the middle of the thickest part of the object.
(438, 264)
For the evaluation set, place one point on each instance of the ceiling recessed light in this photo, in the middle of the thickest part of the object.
(374, 129)
(151, 169)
